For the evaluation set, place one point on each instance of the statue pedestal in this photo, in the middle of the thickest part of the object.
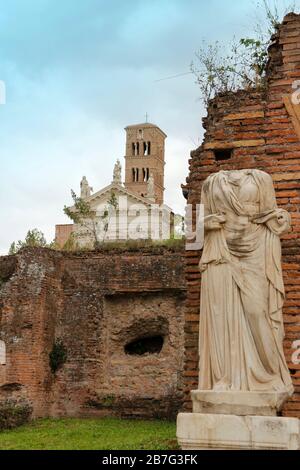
(238, 403)
(237, 420)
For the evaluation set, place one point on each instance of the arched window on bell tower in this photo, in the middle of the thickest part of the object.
(147, 148)
(135, 175)
(135, 149)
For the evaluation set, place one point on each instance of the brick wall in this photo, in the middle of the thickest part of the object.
(262, 133)
(96, 303)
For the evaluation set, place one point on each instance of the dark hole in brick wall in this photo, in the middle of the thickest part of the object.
(11, 387)
(185, 194)
(223, 154)
(142, 346)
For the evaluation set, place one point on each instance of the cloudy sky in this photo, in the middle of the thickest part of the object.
(76, 73)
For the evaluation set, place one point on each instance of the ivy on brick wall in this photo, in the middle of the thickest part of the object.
(57, 356)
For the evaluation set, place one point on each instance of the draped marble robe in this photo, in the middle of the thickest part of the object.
(242, 291)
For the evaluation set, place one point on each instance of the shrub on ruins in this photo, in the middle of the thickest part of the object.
(14, 413)
(71, 244)
(57, 356)
(83, 215)
(245, 63)
(34, 238)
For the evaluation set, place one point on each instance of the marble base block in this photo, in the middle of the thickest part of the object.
(197, 431)
(238, 403)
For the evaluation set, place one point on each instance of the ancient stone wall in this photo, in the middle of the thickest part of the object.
(119, 316)
(104, 305)
(254, 129)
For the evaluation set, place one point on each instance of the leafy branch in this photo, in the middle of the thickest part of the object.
(245, 64)
(84, 215)
(34, 238)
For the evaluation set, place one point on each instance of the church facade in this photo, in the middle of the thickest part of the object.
(133, 210)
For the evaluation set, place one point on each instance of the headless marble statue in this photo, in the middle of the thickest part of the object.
(241, 323)
(244, 380)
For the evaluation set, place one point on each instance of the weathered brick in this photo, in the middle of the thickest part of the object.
(276, 149)
(96, 303)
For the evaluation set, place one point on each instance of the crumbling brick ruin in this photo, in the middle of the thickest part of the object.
(117, 321)
(255, 129)
(118, 316)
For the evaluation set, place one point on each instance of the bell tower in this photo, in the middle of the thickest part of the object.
(145, 157)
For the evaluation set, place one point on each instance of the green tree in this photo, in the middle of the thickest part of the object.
(34, 238)
(83, 215)
(71, 244)
(245, 64)
(13, 249)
